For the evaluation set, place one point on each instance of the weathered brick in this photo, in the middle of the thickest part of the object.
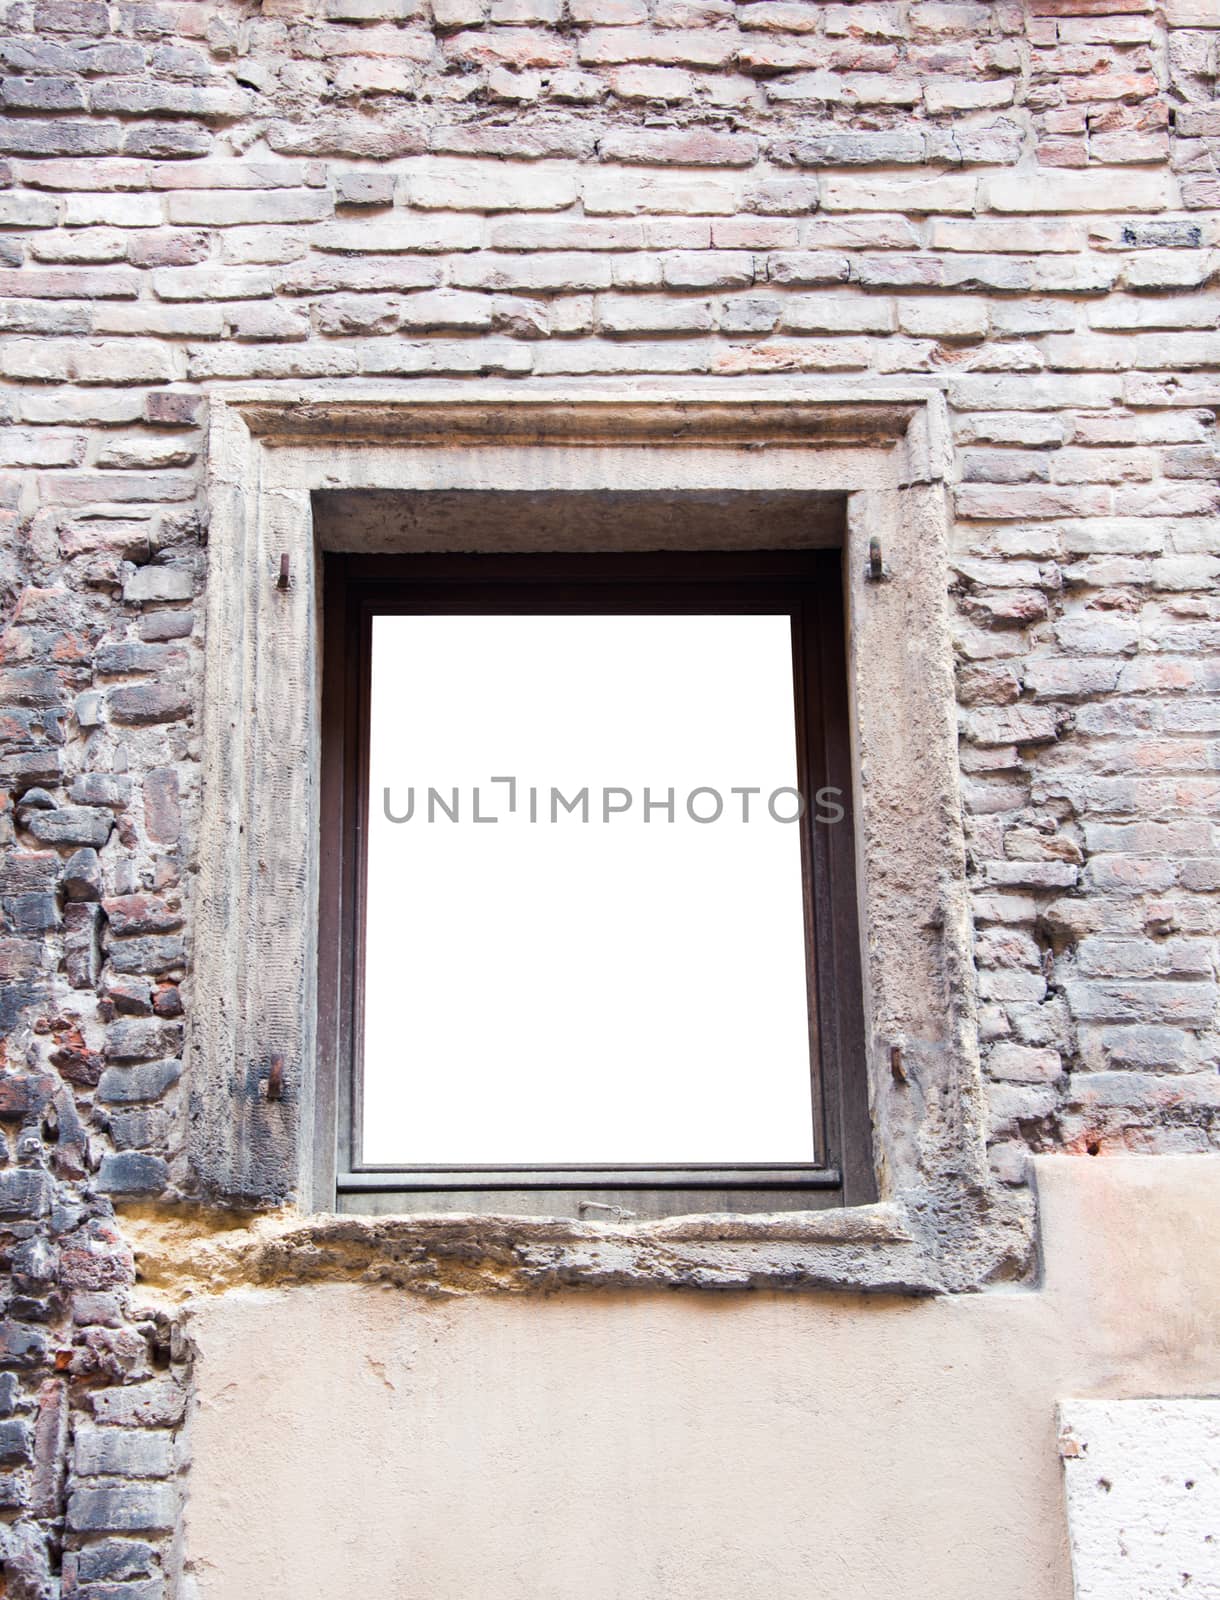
(148, 97)
(122, 1452)
(32, 913)
(664, 148)
(632, 314)
(141, 1129)
(364, 189)
(826, 313)
(70, 16)
(390, 236)
(24, 1193)
(576, 88)
(262, 361)
(105, 361)
(609, 192)
(386, 273)
(114, 1560)
(26, 137)
(141, 1040)
(554, 272)
(147, 703)
(453, 184)
(129, 1085)
(28, 871)
(154, 954)
(884, 88)
(842, 147)
(114, 210)
(166, 248)
(42, 94)
(30, 686)
(1023, 235)
(444, 309)
(351, 134)
(702, 47)
(86, 245)
(74, 825)
(132, 1172)
(1086, 191)
(957, 318)
(917, 196)
(28, 211)
(401, 358)
(802, 268)
(212, 283)
(174, 409)
(167, 141)
(227, 208)
(116, 283)
(1023, 1064)
(123, 1508)
(143, 453)
(37, 316)
(162, 813)
(1021, 725)
(1183, 1004)
(570, 234)
(159, 1404)
(82, 875)
(82, 953)
(248, 174)
(16, 1443)
(709, 269)
(1030, 391)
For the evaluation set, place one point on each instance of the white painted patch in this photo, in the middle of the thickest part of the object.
(1143, 1497)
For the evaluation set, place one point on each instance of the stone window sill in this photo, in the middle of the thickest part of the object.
(867, 1249)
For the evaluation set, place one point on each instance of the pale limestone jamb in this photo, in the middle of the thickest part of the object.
(884, 447)
(1142, 1484)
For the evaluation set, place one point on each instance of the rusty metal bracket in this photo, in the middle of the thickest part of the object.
(282, 581)
(875, 571)
(275, 1077)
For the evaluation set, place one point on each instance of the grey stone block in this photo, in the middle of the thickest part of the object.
(131, 1172)
(25, 1192)
(80, 825)
(129, 1085)
(152, 953)
(83, 875)
(123, 1507)
(113, 1560)
(141, 1405)
(148, 703)
(15, 1443)
(122, 1452)
(158, 583)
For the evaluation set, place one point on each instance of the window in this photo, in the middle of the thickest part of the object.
(588, 938)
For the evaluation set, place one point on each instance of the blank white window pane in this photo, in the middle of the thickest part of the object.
(564, 992)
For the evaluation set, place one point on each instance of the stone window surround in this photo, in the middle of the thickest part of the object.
(939, 1223)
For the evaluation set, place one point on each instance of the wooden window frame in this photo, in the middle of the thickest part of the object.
(808, 584)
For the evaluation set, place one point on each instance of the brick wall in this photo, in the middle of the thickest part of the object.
(1015, 201)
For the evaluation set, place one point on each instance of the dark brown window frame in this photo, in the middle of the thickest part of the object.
(807, 584)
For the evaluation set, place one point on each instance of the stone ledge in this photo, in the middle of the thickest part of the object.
(800, 413)
(182, 1253)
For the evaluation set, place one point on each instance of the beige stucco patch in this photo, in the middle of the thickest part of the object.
(353, 1440)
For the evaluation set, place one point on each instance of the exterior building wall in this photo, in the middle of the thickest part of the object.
(1012, 203)
(733, 1447)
